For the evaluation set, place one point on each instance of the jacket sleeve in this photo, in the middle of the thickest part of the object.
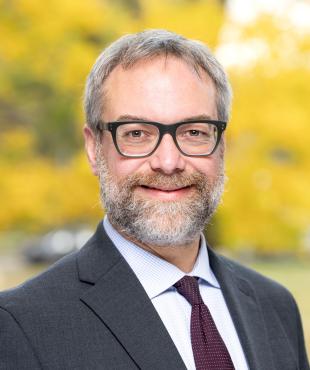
(15, 349)
(303, 361)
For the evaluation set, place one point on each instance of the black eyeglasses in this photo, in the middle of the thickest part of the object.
(137, 139)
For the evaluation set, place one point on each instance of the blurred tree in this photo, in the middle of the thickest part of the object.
(133, 6)
(46, 52)
(47, 49)
(267, 205)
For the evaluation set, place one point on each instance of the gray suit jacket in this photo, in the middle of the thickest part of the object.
(89, 311)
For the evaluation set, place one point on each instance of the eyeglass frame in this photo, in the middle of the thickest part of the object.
(163, 129)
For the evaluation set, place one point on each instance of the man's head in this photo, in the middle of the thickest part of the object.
(157, 195)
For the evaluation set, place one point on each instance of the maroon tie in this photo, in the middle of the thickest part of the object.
(210, 352)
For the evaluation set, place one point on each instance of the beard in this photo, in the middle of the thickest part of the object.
(157, 222)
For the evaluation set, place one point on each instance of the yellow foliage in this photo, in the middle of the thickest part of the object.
(16, 143)
(267, 202)
(56, 42)
(194, 19)
(37, 195)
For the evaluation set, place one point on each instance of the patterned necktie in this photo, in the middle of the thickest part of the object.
(210, 352)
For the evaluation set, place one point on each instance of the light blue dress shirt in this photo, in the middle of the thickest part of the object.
(158, 276)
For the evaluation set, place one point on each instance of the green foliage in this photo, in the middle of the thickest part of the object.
(46, 51)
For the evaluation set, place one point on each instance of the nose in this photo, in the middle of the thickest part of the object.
(167, 157)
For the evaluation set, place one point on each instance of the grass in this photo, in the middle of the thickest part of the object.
(294, 275)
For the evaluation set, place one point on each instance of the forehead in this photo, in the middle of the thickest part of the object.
(157, 88)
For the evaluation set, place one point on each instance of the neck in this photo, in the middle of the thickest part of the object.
(182, 256)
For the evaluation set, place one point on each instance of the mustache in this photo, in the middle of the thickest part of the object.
(177, 180)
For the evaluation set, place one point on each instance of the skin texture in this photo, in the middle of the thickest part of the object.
(167, 90)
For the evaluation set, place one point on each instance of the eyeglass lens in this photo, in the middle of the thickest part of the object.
(139, 139)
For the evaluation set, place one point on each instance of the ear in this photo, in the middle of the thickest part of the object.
(90, 147)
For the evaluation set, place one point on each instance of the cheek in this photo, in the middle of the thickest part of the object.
(210, 166)
(121, 167)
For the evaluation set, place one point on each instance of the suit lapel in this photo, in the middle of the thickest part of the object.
(120, 301)
(246, 313)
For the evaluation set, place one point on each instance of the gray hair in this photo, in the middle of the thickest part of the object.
(129, 49)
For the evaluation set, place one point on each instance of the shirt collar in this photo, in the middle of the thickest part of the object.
(154, 273)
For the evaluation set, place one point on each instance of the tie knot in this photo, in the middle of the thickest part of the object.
(189, 289)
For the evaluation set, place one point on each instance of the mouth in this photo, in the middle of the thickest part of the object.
(165, 192)
(165, 188)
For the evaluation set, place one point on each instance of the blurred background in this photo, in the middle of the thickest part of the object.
(49, 202)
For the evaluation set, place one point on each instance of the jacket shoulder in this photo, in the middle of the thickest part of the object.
(59, 279)
(263, 285)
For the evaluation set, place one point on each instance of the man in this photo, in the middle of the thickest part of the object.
(146, 292)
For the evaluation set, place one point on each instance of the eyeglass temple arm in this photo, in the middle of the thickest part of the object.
(101, 126)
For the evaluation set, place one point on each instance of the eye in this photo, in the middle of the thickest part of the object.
(194, 132)
(135, 133)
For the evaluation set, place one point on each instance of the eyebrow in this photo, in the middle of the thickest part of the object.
(129, 117)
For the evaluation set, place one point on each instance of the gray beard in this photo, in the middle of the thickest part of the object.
(154, 222)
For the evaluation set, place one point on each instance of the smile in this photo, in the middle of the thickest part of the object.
(164, 193)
